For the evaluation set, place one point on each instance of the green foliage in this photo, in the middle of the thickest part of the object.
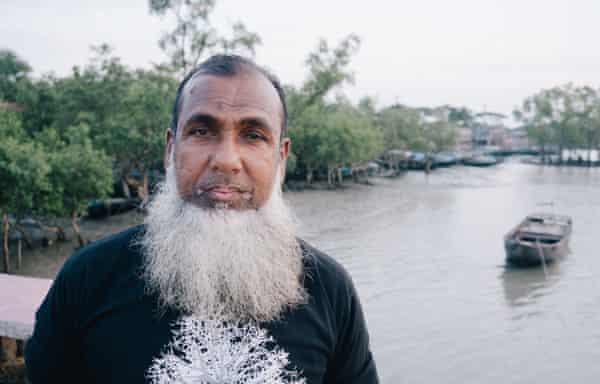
(10, 125)
(125, 112)
(92, 95)
(78, 172)
(194, 37)
(362, 140)
(440, 136)
(40, 104)
(333, 136)
(134, 135)
(327, 69)
(291, 163)
(48, 162)
(13, 74)
(24, 169)
(324, 134)
(564, 116)
(460, 116)
(402, 128)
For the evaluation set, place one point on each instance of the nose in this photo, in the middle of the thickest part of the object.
(226, 156)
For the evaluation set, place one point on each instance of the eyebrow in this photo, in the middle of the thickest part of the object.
(201, 118)
(256, 122)
(211, 121)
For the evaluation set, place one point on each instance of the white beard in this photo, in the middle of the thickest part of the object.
(222, 263)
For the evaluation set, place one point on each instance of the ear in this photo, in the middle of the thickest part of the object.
(169, 147)
(284, 151)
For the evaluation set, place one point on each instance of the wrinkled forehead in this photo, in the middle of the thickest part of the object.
(246, 92)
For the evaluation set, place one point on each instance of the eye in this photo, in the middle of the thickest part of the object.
(199, 131)
(254, 136)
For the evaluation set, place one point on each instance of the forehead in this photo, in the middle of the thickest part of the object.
(245, 93)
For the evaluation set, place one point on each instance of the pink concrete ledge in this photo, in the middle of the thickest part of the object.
(20, 297)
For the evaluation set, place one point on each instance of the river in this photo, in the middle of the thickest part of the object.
(426, 255)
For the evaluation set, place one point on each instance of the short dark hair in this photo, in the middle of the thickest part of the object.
(228, 65)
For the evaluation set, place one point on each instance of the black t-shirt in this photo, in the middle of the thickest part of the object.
(98, 324)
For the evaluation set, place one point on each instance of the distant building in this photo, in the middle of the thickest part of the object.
(489, 130)
(464, 139)
(518, 139)
(433, 115)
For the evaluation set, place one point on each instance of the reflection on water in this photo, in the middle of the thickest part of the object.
(526, 286)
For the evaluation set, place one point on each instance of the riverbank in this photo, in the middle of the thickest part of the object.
(45, 262)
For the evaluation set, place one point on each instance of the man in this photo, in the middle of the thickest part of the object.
(214, 287)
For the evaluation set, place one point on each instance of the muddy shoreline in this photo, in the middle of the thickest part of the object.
(45, 262)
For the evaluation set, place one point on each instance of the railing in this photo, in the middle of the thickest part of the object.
(20, 297)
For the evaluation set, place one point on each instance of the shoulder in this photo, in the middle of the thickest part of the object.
(93, 265)
(105, 251)
(330, 283)
(318, 264)
(326, 278)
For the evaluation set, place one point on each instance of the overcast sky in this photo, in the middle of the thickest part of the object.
(483, 54)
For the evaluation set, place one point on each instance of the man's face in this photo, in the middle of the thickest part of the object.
(227, 146)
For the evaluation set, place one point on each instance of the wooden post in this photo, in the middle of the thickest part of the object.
(125, 186)
(24, 236)
(19, 253)
(309, 175)
(8, 349)
(145, 187)
(74, 219)
(5, 228)
(60, 234)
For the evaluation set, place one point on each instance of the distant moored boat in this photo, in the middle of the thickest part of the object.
(480, 161)
(539, 238)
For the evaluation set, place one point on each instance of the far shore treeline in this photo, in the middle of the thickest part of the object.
(100, 130)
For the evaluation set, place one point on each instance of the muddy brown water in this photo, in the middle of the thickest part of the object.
(426, 254)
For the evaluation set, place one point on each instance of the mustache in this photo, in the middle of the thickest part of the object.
(222, 181)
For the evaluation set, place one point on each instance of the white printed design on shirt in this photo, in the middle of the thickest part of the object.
(218, 352)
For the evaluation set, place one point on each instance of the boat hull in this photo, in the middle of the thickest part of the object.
(529, 255)
(540, 238)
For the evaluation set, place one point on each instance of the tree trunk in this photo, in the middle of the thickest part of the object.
(76, 229)
(19, 254)
(145, 188)
(24, 236)
(329, 178)
(543, 153)
(125, 186)
(309, 175)
(5, 229)
(339, 175)
(560, 151)
(60, 234)
(589, 149)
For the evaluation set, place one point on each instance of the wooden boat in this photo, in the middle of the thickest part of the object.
(480, 161)
(444, 159)
(541, 238)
